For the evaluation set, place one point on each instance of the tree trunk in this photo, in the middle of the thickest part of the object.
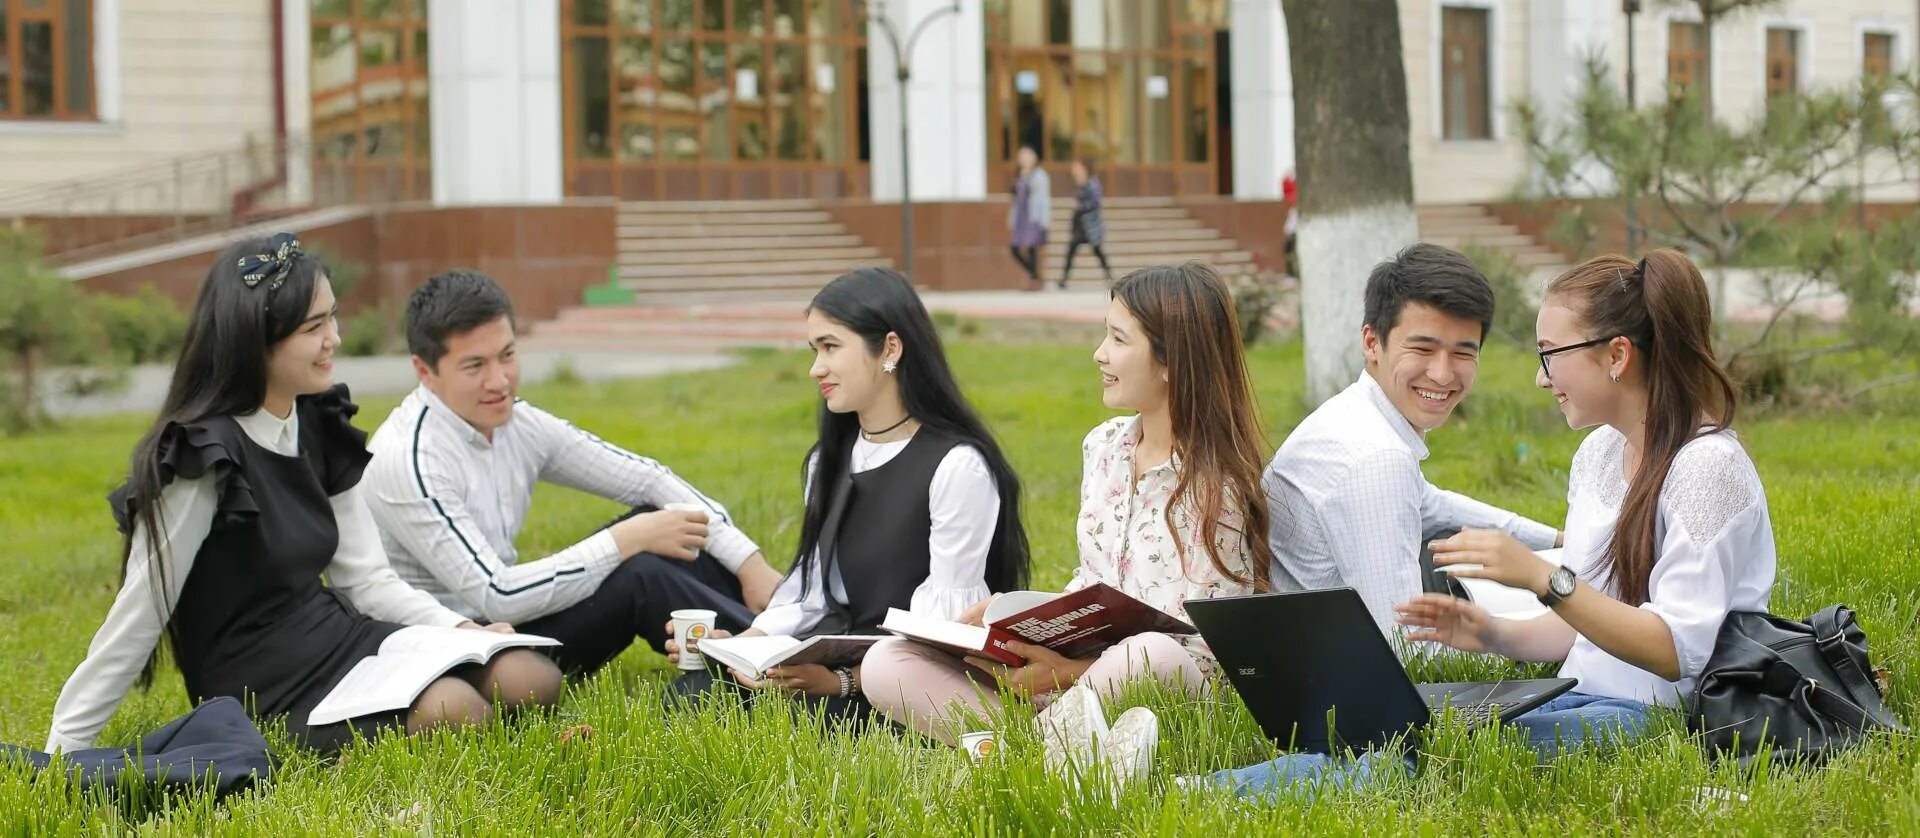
(1355, 175)
(29, 389)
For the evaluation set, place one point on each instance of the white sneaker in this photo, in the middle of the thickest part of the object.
(1129, 745)
(1079, 743)
(1071, 728)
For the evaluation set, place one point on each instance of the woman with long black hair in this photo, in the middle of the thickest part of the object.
(241, 495)
(909, 502)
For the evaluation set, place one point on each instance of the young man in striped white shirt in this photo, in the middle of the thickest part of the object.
(1348, 504)
(452, 477)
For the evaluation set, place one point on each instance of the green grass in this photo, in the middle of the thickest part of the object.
(1842, 488)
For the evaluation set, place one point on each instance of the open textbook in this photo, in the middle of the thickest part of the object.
(753, 656)
(1076, 625)
(1505, 602)
(409, 660)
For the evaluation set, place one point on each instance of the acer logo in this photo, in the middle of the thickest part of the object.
(1248, 670)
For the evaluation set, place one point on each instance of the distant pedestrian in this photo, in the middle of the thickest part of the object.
(1032, 211)
(1088, 225)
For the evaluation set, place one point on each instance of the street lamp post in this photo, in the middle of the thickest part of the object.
(902, 73)
(1631, 7)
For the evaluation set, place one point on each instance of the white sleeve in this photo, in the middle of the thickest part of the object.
(1441, 509)
(420, 502)
(965, 509)
(579, 460)
(1715, 534)
(360, 571)
(126, 639)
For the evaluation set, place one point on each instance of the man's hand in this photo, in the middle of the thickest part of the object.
(806, 678)
(672, 533)
(976, 614)
(1045, 671)
(496, 628)
(758, 580)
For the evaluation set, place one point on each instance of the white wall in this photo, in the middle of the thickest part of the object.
(495, 101)
(946, 104)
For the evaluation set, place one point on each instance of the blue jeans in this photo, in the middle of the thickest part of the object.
(1566, 722)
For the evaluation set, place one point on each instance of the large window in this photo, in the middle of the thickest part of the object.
(1465, 95)
(714, 98)
(1130, 85)
(1783, 61)
(1689, 68)
(46, 59)
(1876, 55)
(371, 131)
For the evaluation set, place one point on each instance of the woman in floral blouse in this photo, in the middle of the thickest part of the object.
(1170, 507)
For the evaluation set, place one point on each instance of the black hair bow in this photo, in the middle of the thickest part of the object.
(271, 268)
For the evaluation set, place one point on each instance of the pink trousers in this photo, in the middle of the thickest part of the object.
(936, 693)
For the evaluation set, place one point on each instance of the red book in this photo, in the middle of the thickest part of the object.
(1076, 625)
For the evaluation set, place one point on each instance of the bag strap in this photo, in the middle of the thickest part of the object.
(1848, 661)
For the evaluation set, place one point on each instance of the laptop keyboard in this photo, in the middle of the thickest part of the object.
(1473, 715)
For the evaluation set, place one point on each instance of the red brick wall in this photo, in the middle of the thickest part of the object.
(544, 256)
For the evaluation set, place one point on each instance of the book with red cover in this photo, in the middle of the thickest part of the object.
(1076, 625)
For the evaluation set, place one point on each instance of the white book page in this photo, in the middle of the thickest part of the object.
(908, 624)
(457, 643)
(1503, 601)
(376, 685)
(750, 655)
(1014, 602)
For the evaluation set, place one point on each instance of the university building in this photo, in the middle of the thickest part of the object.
(567, 122)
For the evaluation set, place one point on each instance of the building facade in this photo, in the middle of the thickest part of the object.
(476, 102)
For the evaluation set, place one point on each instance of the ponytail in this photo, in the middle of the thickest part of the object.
(1661, 306)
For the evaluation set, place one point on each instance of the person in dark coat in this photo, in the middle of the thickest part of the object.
(1088, 225)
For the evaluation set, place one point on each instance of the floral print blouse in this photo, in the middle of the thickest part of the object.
(1126, 533)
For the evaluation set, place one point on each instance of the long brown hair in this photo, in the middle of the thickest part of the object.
(1660, 305)
(1190, 323)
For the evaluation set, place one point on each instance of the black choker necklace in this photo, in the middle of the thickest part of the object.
(871, 434)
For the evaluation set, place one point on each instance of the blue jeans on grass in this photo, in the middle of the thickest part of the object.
(1565, 723)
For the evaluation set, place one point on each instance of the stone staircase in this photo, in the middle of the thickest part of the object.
(712, 252)
(1457, 225)
(1141, 232)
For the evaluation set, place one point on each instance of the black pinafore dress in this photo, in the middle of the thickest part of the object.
(254, 621)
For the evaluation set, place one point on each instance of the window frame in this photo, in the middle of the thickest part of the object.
(15, 15)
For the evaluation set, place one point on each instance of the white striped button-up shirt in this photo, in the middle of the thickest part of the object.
(450, 503)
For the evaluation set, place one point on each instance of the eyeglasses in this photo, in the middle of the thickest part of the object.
(1545, 354)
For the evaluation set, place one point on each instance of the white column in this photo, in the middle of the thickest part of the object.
(1262, 83)
(296, 55)
(495, 101)
(946, 101)
(1562, 36)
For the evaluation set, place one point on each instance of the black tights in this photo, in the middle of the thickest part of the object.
(1029, 258)
(1074, 247)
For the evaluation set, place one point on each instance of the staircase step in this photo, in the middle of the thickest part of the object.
(725, 295)
(742, 218)
(782, 205)
(638, 270)
(804, 284)
(649, 313)
(698, 257)
(793, 329)
(1495, 240)
(700, 229)
(719, 243)
(1117, 247)
(1144, 233)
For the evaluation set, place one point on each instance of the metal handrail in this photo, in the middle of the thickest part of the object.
(201, 193)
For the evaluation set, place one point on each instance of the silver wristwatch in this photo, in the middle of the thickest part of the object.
(1559, 586)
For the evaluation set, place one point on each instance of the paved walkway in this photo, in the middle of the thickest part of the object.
(385, 375)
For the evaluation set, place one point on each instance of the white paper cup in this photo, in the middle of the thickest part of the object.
(691, 625)
(981, 745)
(690, 507)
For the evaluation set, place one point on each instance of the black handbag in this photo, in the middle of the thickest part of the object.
(1796, 691)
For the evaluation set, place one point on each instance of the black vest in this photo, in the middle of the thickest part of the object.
(881, 544)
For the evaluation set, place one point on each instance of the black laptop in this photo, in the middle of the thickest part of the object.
(1301, 659)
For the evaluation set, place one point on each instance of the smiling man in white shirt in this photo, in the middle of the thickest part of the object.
(1349, 506)
(452, 478)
